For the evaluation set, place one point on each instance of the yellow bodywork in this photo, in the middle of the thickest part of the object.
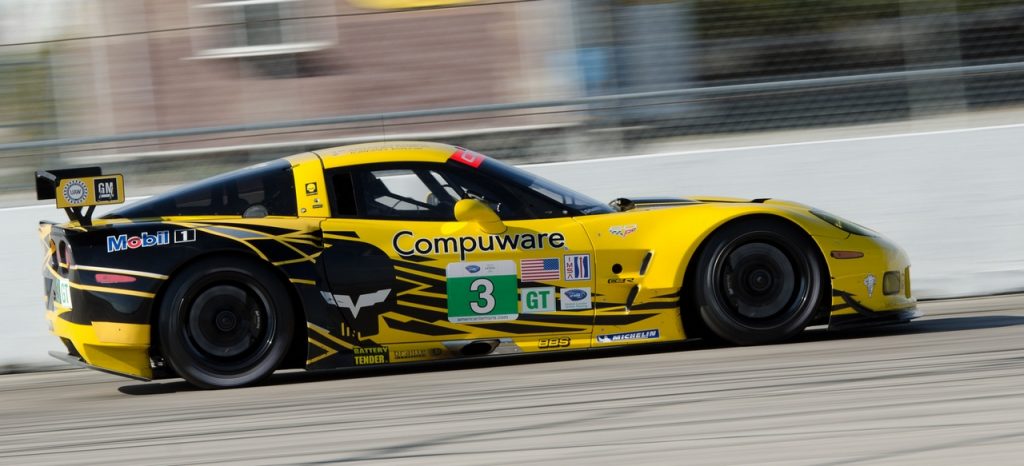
(631, 304)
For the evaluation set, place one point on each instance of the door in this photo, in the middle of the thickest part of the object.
(402, 270)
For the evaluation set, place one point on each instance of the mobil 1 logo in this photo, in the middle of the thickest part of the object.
(184, 236)
(482, 291)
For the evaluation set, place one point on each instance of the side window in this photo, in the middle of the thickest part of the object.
(403, 193)
(344, 202)
(257, 191)
(427, 191)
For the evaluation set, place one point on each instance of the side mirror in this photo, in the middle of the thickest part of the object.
(473, 210)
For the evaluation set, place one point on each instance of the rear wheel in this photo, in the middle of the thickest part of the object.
(758, 281)
(225, 323)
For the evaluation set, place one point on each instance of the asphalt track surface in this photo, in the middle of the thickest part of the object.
(945, 389)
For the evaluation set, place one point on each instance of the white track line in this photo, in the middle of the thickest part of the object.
(50, 205)
(782, 144)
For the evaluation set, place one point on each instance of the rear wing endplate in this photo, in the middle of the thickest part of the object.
(79, 190)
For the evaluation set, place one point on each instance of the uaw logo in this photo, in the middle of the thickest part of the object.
(143, 240)
(75, 192)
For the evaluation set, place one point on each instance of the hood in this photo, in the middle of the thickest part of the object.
(623, 204)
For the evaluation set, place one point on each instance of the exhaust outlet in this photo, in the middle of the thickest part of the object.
(478, 348)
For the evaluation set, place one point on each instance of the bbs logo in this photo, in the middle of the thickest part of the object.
(551, 343)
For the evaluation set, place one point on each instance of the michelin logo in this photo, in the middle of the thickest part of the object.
(641, 335)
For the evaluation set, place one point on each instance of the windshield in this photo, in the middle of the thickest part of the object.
(575, 201)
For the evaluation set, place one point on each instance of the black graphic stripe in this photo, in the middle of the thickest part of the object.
(653, 306)
(419, 258)
(523, 329)
(557, 319)
(440, 303)
(270, 230)
(420, 268)
(621, 319)
(420, 314)
(437, 281)
(421, 328)
(419, 286)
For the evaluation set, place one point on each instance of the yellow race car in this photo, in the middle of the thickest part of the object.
(405, 251)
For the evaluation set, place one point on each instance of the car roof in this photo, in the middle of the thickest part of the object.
(387, 151)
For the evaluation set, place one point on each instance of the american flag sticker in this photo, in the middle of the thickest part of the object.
(535, 270)
(577, 267)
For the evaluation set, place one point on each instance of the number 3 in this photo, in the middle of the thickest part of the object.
(484, 295)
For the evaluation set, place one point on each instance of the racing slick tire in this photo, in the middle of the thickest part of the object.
(225, 322)
(758, 281)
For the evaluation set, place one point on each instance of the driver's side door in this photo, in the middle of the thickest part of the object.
(405, 275)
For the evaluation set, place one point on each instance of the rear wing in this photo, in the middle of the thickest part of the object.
(76, 189)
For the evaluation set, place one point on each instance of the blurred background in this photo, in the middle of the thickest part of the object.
(905, 115)
(150, 87)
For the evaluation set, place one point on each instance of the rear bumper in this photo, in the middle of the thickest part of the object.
(113, 347)
(79, 362)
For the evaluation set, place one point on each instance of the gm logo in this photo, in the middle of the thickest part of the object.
(105, 189)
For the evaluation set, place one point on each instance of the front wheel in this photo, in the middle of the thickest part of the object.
(758, 281)
(225, 323)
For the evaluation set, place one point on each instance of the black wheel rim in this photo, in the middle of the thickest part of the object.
(760, 282)
(228, 326)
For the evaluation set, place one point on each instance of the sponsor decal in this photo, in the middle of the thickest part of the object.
(614, 281)
(184, 236)
(143, 240)
(577, 267)
(106, 189)
(482, 291)
(398, 355)
(75, 192)
(574, 299)
(60, 292)
(370, 355)
(622, 230)
(540, 299)
(311, 189)
(869, 282)
(554, 342)
(468, 157)
(629, 336)
(361, 301)
(535, 270)
(407, 244)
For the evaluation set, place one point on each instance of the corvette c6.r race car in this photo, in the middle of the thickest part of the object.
(402, 251)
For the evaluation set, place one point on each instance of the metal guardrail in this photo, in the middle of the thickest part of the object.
(798, 84)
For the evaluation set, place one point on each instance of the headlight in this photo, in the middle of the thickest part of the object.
(842, 224)
(891, 283)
